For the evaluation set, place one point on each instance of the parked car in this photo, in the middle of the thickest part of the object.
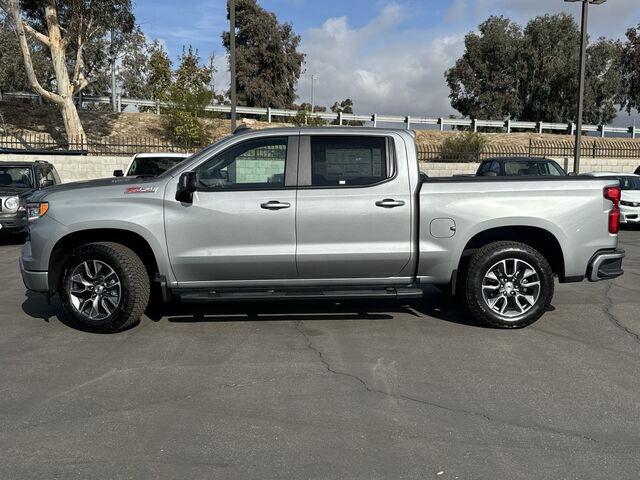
(519, 167)
(17, 181)
(151, 164)
(630, 201)
(637, 172)
(318, 213)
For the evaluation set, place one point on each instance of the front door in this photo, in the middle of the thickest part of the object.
(241, 225)
(354, 217)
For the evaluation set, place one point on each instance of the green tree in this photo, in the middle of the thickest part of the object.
(268, 62)
(550, 55)
(630, 66)
(345, 106)
(13, 76)
(189, 94)
(486, 81)
(134, 71)
(68, 30)
(531, 73)
(159, 66)
(605, 82)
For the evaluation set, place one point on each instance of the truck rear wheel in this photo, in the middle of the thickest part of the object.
(508, 285)
(105, 287)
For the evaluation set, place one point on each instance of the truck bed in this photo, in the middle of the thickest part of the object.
(567, 215)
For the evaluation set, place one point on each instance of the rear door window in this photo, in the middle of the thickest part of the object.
(348, 161)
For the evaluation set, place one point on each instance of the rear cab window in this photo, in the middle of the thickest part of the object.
(343, 161)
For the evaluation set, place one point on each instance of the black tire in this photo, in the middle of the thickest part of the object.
(481, 264)
(134, 286)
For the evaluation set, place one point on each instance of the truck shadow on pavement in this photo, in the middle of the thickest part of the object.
(11, 240)
(435, 305)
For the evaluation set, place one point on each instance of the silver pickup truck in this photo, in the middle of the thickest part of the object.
(317, 213)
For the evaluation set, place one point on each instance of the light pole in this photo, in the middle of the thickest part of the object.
(583, 65)
(313, 92)
(232, 61)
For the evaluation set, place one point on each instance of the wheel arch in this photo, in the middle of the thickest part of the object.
(65, 246)
(538, 238)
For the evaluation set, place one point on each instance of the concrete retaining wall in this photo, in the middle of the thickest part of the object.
(77, 168)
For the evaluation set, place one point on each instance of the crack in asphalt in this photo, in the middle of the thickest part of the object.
(608, 311)
(536, 428)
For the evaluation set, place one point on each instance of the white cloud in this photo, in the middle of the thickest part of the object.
(610, 19)
(379, 70)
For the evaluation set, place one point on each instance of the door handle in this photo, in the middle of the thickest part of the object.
(390, 203)
(274, 205)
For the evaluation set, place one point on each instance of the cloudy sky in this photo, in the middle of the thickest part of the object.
(389, 56)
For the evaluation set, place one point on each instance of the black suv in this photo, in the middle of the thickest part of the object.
(18, 180)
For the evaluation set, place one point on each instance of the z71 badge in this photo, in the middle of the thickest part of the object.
(132, 190)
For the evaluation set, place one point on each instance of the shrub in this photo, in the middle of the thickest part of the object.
(184, 128)
(304, 118)
(465, 147)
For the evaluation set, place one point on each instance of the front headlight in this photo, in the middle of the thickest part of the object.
(630, 204)
(12, 204)
(37, 210)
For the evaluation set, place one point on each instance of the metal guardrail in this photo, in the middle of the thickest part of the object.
(375, 119)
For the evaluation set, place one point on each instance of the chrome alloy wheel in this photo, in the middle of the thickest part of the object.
(511, 288)
(94, 291)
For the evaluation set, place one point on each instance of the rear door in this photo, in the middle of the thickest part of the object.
(354, 208)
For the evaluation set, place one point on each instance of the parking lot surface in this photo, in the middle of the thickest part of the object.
(357, 390)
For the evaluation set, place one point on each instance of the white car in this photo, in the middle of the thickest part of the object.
(151, 164)
(630, 202)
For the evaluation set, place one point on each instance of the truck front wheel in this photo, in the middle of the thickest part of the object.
(104, 287)
(508, 285)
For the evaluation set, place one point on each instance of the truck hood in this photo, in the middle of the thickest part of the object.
(15, 192)
(115, 186)
(631, 195)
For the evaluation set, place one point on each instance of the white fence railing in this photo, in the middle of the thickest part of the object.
(374, 119)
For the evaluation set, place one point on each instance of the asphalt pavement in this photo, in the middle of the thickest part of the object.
(324, 390)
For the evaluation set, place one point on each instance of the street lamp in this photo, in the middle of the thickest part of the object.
(232, 62)
(313, 92)
(583, 65)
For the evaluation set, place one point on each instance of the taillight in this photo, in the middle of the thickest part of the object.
(614, 194)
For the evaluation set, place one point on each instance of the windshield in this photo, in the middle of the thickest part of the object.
(16, 177)
(152, 166)
(533, 168)
(629, 183)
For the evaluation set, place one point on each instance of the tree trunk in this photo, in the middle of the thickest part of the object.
(66, 87)
(71, 119)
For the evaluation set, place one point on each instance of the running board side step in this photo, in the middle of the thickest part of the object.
(308, 294)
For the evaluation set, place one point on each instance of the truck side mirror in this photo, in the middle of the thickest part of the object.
(187, 184)
(118, 173)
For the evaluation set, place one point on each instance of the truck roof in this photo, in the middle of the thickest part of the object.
(518, 159)
(328, 130)
(23, 163)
